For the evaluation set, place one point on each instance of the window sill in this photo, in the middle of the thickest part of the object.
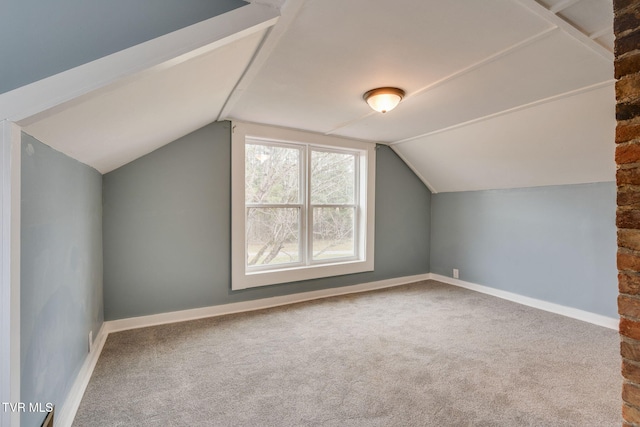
(296, 274)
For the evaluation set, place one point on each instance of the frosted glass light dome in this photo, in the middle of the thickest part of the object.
(384, 99)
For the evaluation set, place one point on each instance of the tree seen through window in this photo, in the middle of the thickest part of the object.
(301, 204)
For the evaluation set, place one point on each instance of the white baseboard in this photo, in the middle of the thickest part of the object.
(70, 407)
(64, 417)
(585, 316)
(68, 411)
(259, 304)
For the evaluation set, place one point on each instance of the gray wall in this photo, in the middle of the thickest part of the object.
(167, 229)
(557, 244)
(41, 38)
(61, 272)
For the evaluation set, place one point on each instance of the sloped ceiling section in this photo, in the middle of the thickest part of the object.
(36, 44)
(127, 121)
(113, 110)
(484, 79)
(500, 93)
(563, 141)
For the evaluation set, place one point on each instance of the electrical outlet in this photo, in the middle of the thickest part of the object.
(456, 274)
(90, 341)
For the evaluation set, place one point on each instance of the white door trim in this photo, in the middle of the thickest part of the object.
(9, 270)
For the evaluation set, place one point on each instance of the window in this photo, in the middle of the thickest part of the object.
(302, 205)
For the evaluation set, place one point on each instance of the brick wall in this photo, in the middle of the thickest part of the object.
(627, 73)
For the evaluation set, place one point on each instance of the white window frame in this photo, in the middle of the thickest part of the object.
(243, 277)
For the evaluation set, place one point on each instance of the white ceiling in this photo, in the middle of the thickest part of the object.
(128, 121)
(501, 93)
(561, 141)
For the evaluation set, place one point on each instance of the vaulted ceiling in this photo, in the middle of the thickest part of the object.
(500, 93)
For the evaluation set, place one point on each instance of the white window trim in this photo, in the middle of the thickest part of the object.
(240, 278)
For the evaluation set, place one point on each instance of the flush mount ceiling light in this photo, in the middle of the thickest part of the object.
(384, 99)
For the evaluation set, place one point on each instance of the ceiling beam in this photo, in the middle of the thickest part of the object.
(578, 35)
(508, 111)
(560, 6)
(44, 97)
(459, 73)
(287, 14)
(601, 32)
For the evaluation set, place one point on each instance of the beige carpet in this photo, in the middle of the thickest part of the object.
(426, 354)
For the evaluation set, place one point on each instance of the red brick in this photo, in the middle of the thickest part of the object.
(630, 414)
(628, 196)
(630, 328)
(628, 64)
(627, 110)
(628, 176)
(631, 393)
(620, 5)
(629, 283)
(628, 88)
(628, 153)
(629, 306)
(625, 131)
(629, 239)
(626, 20)
(630, 349)
(628, 261)
(627, 218)
(631, 371)
(627, 43)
